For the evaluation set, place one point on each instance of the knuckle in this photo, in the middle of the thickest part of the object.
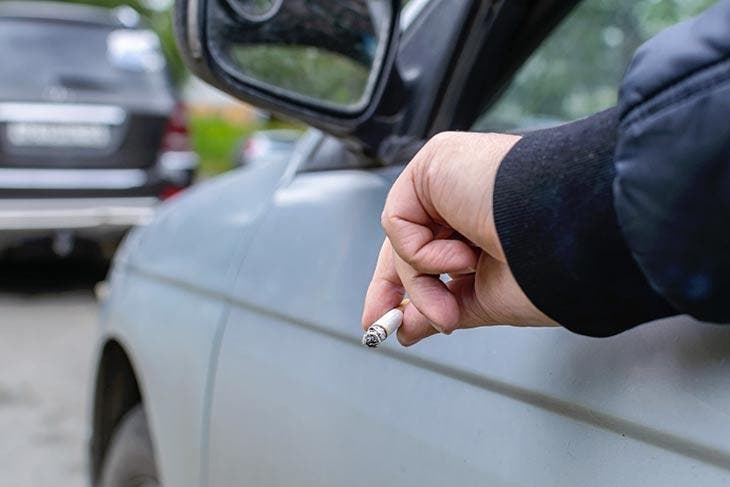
(418, 264)
(386, 219)
(430, 168)
(442, 137)
(429, 151)
(407, 243)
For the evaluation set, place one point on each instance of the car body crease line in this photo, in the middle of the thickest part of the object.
(621, 426)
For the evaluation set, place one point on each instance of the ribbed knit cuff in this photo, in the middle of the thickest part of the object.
(553, 207)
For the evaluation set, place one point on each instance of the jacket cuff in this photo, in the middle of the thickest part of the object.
(554, 212)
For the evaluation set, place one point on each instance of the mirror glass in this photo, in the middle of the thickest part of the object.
(327, 52)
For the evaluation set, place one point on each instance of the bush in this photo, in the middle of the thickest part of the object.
(216, 138)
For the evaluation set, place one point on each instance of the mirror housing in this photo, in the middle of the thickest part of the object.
(324, 62)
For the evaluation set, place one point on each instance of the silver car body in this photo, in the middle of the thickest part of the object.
(239, 309)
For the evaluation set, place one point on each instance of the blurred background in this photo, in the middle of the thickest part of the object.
(219, 125)
(99, 124)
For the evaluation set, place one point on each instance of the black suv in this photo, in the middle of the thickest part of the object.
(92, 135)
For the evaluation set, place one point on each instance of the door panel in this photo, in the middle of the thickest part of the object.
(295, 401)
(298, 407)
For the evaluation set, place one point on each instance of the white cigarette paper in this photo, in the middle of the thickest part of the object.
(384, 326)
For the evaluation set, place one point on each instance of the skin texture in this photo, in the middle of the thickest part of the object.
(438, 219)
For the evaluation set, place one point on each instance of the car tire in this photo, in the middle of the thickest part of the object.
(130, 460)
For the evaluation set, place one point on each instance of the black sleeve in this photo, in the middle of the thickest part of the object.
(624, 217)
(553, 208)
(672, 188)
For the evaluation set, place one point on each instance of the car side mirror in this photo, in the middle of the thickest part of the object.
(325, 62)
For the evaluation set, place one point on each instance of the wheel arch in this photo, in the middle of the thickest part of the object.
(116, 391)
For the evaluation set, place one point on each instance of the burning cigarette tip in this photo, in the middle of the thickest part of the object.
(384, 326)
(374, 336)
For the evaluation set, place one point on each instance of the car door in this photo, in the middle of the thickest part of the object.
(298, 401)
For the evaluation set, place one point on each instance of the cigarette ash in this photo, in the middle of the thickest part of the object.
(375, 335)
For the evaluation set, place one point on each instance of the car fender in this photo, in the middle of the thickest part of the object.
(167, 306)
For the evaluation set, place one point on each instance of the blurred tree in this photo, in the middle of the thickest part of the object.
(577, 71)
(158, 13)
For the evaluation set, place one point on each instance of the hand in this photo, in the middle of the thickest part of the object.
(438, 219)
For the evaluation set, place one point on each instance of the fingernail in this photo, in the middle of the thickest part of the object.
(404, 343)
(437, 327)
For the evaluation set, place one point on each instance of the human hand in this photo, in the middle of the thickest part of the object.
(438, 219)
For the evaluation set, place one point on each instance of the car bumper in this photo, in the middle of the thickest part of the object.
(75, 213)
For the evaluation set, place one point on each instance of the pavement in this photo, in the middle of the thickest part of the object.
(48, 318)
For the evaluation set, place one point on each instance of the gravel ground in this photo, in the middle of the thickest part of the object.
(47, 332)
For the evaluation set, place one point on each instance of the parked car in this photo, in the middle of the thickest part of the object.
(264, 144)
(230, 342)
(92, 135)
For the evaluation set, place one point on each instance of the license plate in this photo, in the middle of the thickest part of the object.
(86, 136)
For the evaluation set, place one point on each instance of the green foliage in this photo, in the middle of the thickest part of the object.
(216, 139)
(159, 20)
(577, 71)
(162, 24)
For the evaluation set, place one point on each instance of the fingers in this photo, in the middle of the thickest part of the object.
(409, 227)
(391, 279)
(385, 291)
(417, 326)
(417, 245)
(442, 307)
(429, 295)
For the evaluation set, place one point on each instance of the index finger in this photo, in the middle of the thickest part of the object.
(385, 291)
(409, 224)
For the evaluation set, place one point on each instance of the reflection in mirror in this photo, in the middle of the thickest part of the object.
(256, 10)
(327, 51)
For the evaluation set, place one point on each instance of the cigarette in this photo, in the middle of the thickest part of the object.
(384, 326)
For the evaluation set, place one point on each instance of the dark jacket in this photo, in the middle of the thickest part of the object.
(624, 217)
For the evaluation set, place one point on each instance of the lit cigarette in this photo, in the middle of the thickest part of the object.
(384, 326)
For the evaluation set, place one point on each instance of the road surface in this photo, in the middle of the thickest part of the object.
(47, 331)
